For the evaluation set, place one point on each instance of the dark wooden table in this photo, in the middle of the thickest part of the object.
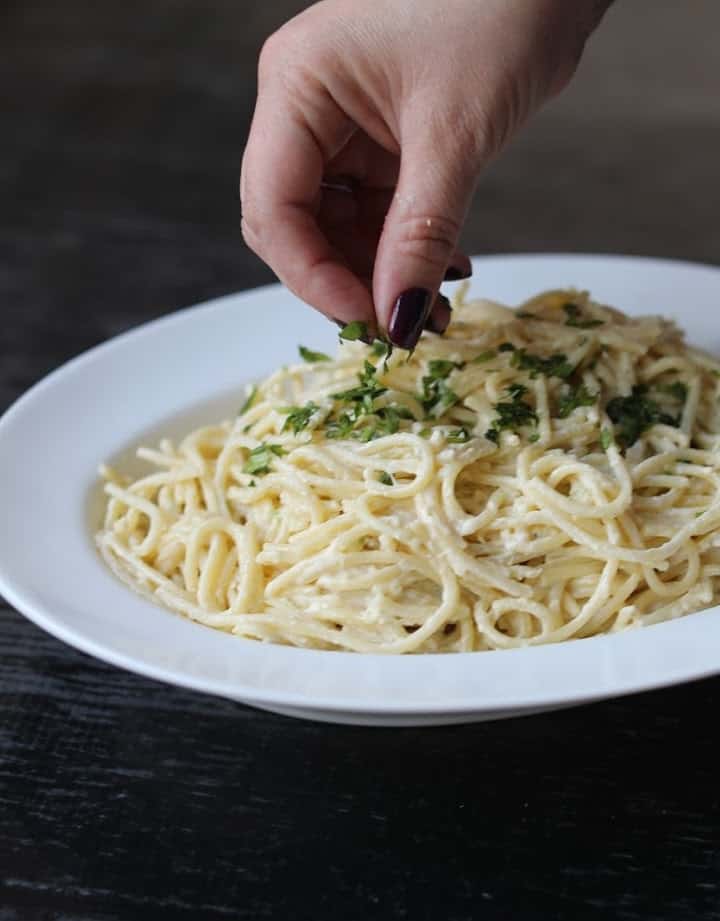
(121, 129)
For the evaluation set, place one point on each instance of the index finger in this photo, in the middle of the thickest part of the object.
(282, 169)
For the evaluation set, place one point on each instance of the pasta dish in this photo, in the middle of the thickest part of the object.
(531, 476)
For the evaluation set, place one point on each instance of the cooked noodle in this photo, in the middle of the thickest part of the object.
(529, 477)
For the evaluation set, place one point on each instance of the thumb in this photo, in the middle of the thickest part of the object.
(419, 237)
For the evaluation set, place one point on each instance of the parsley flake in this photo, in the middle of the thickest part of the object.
(483, 357)
(312, 357)
(458, 436)
(574, 398)
(635, 414)
(437, 397)
(574, 318)
(260, 458)
(512, 415)
(678, 390)
(354, 331)
(249, 400)
(556, 365)
(298, 417)
(385, 478)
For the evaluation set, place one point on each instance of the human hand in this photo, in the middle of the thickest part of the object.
(373, 123)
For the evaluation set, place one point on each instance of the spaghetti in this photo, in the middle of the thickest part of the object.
(532, 476)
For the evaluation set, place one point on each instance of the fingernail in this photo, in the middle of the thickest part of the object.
(408, 317)
(439, 319)
(455, 274)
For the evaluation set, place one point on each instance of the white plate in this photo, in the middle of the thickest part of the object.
(141, 384)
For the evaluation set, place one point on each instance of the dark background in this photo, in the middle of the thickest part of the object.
(121, 131)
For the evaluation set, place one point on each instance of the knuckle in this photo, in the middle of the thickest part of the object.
(275, 54)
(429, 237)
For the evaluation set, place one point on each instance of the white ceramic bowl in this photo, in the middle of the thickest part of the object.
(189, 368)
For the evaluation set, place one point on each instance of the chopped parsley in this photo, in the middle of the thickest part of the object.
(354, 331)
(533, 437)
(458, 436)
(635, 414)
(483, 357)
(556, 365)
(574, 318)
(678, 390)
(606, 439)
(512, 415)
(260, 459)
(362, 419)
(517, 391)
(365, 394)
(310, 356)
(437, 397)
(249, 401)
(385, 478)
(574, 398)
(298, 417)
(340, 427)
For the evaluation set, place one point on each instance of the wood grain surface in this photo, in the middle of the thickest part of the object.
(121, 131)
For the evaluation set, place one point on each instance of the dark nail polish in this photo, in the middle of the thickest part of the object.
(440, 317)
(408, 317)
(455, 274)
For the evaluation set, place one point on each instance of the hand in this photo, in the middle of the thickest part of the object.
(373, 123)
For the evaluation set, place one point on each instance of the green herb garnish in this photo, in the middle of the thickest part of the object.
(533, 437)
(437, 397)
(442, 368)
(385, 478)
(635, 414)
(362, 419)
(483, 357)
(512, 415)
(678, 390)
(517, 391)
(310, 356)
(574, 398)
(506, 347)
(556, 365)
(353, 331)
(383, 348)
(574, 318)
(340, 427)
(368, 390)
(299, 417)
(261, 458)
(458, 436)
(606, 439)
(249, 401)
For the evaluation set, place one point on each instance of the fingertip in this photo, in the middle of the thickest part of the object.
(440, 315)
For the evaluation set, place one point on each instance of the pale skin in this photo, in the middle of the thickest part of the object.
(373, 124)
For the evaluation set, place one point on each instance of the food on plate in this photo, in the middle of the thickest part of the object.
(532, 476)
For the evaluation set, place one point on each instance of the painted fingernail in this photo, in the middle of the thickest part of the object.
(408, 317)
(439, 319)
(455, 274)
